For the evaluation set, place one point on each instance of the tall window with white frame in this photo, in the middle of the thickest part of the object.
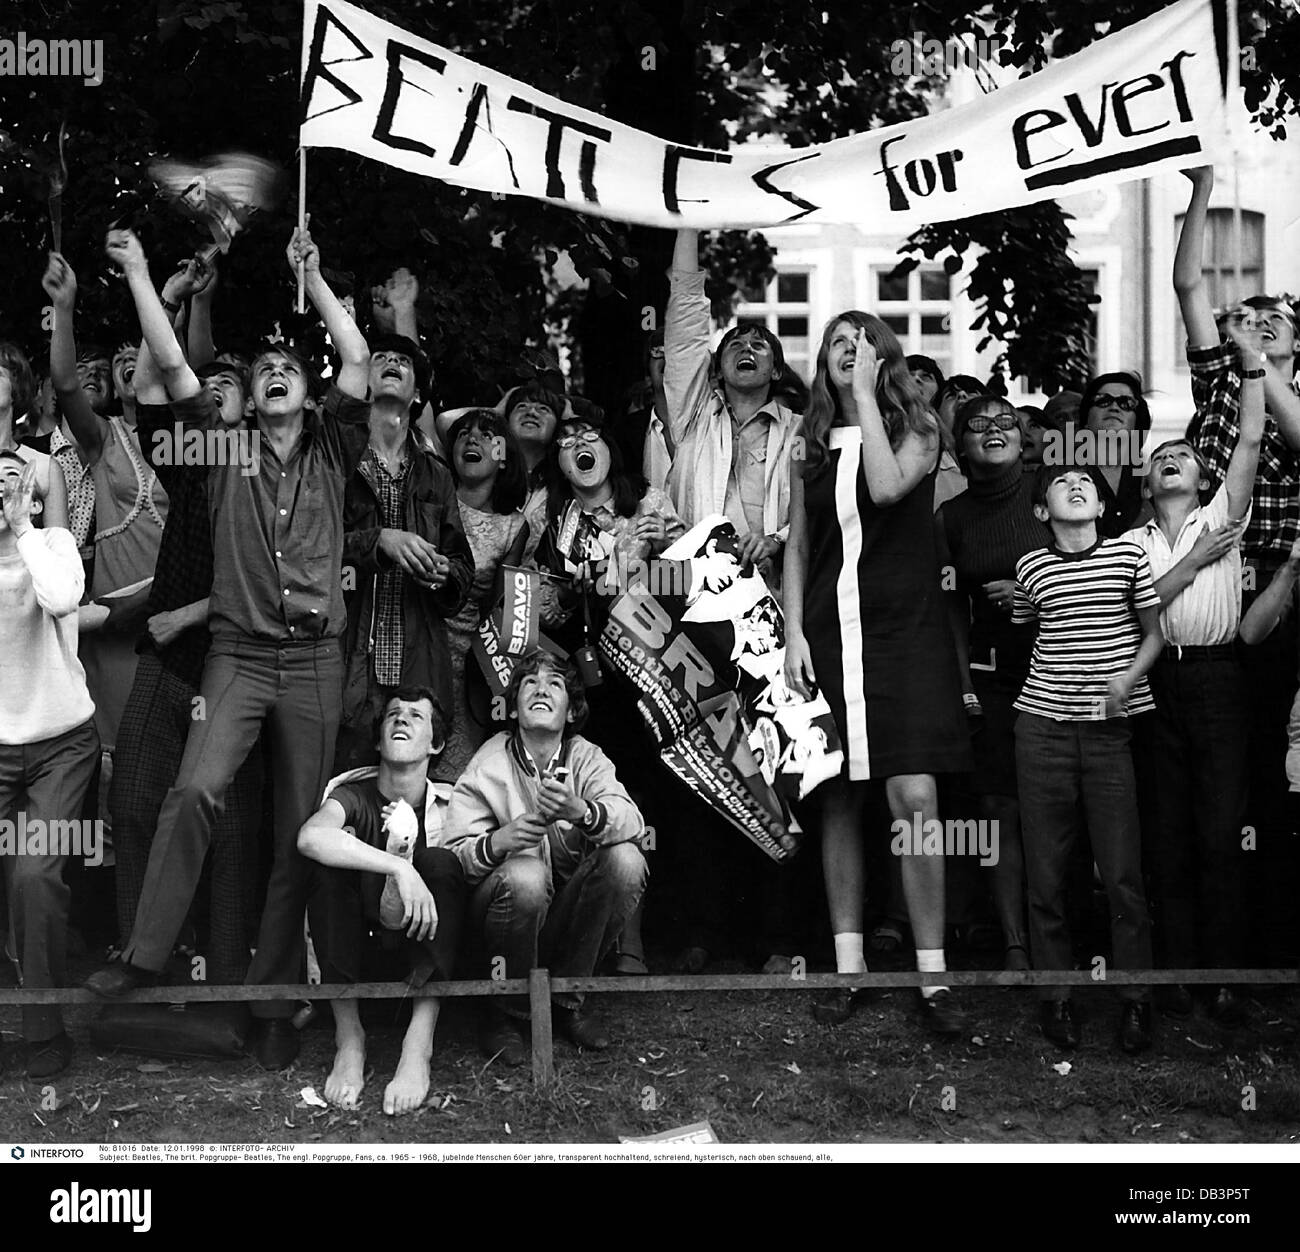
(1219, 264)
(917, 307)
(784, 307)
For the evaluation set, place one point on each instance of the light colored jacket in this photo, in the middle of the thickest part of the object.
(501, 783)
(700, 422)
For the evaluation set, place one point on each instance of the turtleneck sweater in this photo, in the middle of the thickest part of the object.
(989, 527)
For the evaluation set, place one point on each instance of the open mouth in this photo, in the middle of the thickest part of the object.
(471, 456)
(996, 441)
(392, 372)
(1170, 470)
(401, 733)
(584, 462)
(128, 373)
(1077, 497)
(277, 390)
(746, 363)
(542, 706)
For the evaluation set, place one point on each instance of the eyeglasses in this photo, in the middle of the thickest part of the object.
(1125, 404)
(985, 421)
(583, 436)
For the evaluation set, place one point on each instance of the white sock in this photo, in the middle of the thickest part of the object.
(849, 955)
(930, 961)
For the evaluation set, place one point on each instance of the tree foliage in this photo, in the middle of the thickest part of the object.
(192, 77)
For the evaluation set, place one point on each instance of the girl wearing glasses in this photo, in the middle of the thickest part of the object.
(867, 624)
(1117, 418)
(985, 531)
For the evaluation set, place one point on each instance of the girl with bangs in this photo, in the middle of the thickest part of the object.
(488, 469)
(866, 624)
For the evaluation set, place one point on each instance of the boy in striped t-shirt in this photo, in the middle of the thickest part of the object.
(1098, 634)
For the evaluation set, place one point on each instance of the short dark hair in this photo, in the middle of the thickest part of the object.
(511, 487)
(977, 405)
(960, 382)
(215, 368)
(927, 365)
(553, 400)
(1048, 474)
(534, 662)
(754, 328)
(420, 367)
(1128, 379)
(629, 489)
(412, 694)
(23, 381)
(315, 388)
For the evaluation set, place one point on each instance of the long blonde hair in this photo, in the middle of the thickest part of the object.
(900, 402)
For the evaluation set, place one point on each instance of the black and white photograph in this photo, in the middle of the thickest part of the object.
(650, 581)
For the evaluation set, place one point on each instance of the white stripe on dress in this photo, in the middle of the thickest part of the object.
(848, 440)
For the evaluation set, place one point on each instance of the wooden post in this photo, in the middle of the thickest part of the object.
(539, 1009)
(302, 225)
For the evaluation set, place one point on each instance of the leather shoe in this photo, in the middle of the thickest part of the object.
(40, 1060)
(582, 1032)
(119, 979)
(1135, 1027)
(500, 1039)
(1227, 1008)
(942, 1013)
(1175, 1000)
(277, 1043)
(837, 1005)
(1058, 1023)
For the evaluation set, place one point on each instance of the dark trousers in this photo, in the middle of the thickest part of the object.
(1193, 752)
(520, 913)
(1272, 870)
(151, 740)
(1059, 764)
(345, 906)
(295, 689)
(355, 745)
(44, 781)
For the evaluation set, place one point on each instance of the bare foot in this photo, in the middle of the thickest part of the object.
(343, 1086)
(409, 1087)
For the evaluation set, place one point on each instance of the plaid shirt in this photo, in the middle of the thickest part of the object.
(388, 638)
(1275, 505)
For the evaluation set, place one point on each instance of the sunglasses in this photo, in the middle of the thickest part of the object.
(1125, 404)
(986, 421)
(584, 436)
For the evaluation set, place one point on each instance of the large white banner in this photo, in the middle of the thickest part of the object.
(1143, 100)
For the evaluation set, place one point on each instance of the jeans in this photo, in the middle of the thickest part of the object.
(296, 689)
(522, 914)
(1194, 752)
(43, 781)
(1059, 764)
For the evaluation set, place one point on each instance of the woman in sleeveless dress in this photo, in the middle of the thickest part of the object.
(866, 624)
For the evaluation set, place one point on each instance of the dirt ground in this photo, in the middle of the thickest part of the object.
(756, 1066)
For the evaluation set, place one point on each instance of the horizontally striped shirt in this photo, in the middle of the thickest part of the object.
(1088, 630)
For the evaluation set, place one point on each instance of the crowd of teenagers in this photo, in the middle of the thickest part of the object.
(255, 665)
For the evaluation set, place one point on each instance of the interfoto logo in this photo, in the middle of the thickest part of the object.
(26, 57)
(34, 836)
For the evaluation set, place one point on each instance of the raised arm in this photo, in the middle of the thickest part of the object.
(348, 341)
(1189, 281)
(125, 251)
(1240, 478)
(84, 426)
(686, 341)
(203, 348)
(891, 474)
